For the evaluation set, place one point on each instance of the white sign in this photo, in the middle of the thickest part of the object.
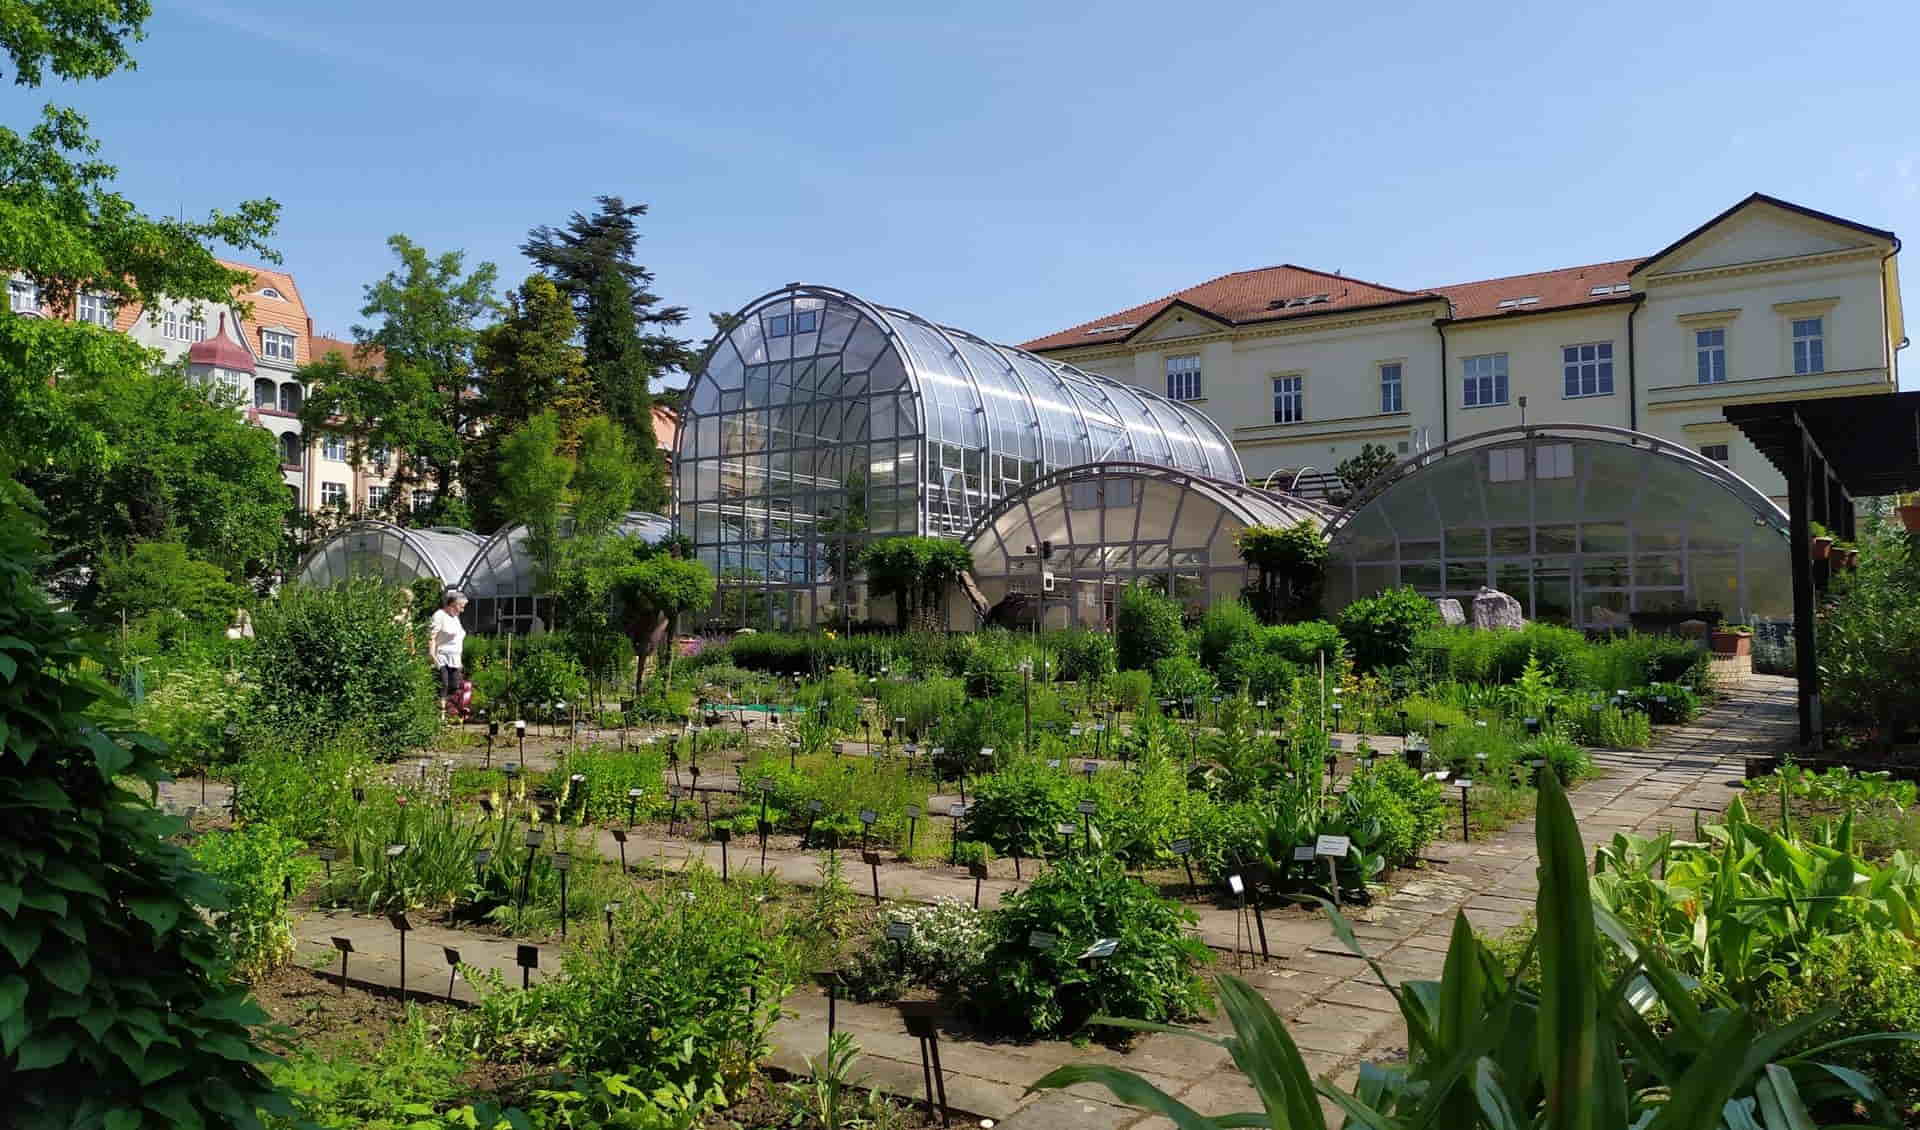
(1332, 845)
(1463, 783)
(1235, 885)
(899, 931)
(956, 810)
(1102, 948)
(985, 750)
(636, 794)
(1302, 853)
(1053, 763)
(868, 816)
(1089, 807)
(1180, 847)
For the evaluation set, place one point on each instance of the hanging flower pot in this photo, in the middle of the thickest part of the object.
(1822, 547)
(1852, 559)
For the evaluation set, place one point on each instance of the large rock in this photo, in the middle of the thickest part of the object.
(1495, 609)
(1450, 613)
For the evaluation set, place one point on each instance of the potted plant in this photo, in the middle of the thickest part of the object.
(1822, 541)
(1908, 507)
(1733, 639)
(1846, 555)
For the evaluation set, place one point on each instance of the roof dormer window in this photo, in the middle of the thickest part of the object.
(1513, 303)
(270, 292)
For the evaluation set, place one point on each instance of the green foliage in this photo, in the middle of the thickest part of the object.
(1304, 643)
(190, 708)
(408, 1077)
(1152, 974)
(1380, 629)
(1146, 628)
(1085, 655)
(303, 791)
(1181, 677)
(915, 571)
(1870, 642)
(685, 997)
(1356, 471)
(1477, 1038)
(75, 39)
(116, 1000)
(1222, 627)
(1411, 812)
(1130, 690)
(332, 661)
(533, 479)
(160, 578)
(257, 864)
(1864, 984)
(543, 676)
(1016, 809)
(1881, 808)
(943, 951)
(1291, 562)
(609, 777)
(531, 364)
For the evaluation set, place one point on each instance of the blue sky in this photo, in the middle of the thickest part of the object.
(1011, 168)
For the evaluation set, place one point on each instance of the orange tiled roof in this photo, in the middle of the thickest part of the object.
(323, 344)
(287, 313)
(1550, 290)
(1263, 295)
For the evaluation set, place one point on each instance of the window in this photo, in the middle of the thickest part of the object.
(97, 309)
(1588, 369)
(1391, 399)
(1717, 452)
(377, 497)
(269, 292)
(779, 325)
(422, 501)
(334, 447)
(1486, 379)
(382, 455)
(1553, 461)
(1507, 465)
(289, 397)
(176, 326)
(290, 449)
(264, 392)
(276, 345)
(1809, 345)
(1183, 377)
(1710, 356)
(1289, 400)
(333, 494)
(806, 321)
(1524, 300)
(23, 296)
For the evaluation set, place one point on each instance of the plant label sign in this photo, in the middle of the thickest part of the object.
(1332, 845)
(1053, 763)
(562, 860)
(1074, 731)
(636, 794)
(1100, 728)
(676, 792)
(1181, 847)
(1303, 853)
(977, 869)
(912, 811)
(1236, 885)
(1043, 941)
(1463, 783)
(1338, 742)
(985, 751)
(868, 816)
(766, 784)
(956, 811)
(1102, 948)
(815, 806)
(1089, 807)
(1065, 829)
(899, 931)
(327, 854)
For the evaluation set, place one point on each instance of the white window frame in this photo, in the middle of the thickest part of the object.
(1393, 390)
(1185, 377)
(1484, 380)
(1507, 465)
(333, 494)
(277, 345)
(422, 499)
(23, 296)
(94, 309)
(333, 446)
(377, 496)
(806, 321)
(1709, 358)
(1809, 345)
(1289, 398)
(1586, 369)
(1553, 461)
(779, 325)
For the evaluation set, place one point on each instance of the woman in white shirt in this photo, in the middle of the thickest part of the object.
(449, 641)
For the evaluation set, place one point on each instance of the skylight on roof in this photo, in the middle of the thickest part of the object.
(1114, 328)
(1303, 300)
(1617, 288)
(1509, 303)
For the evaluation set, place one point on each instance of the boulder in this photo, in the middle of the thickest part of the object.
(1495, 609)
(1450, 612)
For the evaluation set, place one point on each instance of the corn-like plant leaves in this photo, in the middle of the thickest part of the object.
(1266, 1054)
(1420, 1037)
(1491, 1093)
(1569, 965)
(1132, 1090)
(1697, 1097)
(1845, 1082)
(1780, 1102)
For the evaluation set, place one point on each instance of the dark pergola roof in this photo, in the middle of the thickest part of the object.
(1871, 444)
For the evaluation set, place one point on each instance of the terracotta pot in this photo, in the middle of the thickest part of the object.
(1821, 548)
(1852, 561)
(1732, 643)
(1910, 517)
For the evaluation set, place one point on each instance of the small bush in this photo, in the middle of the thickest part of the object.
(1018, 808)
(1085, 656)
(1304, 643)
(1182, 677)
(1221, 627)
(1567, 759)
(1665, 704)
(1409, 809)
(255, 864)
(943, 951)
(1381, 629)
(1146, 628)
(309, 795)
(1130, 690)
(1870, 975)
(162, 581)
(1153, 975)
(543, 676)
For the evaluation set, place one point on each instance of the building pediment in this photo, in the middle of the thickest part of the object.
(1178, 320)
(1761, 229)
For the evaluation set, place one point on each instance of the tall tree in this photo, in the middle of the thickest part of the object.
(528, 364)
(617, 358)
(576, 256)
(534, 475)
(424, 400)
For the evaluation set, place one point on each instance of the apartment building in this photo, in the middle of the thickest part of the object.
(1303, 368)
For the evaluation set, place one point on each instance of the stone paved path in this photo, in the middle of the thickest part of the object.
(1335, 1010)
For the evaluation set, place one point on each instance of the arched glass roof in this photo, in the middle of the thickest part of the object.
(392, 552)
(502, 567)
(818, 407)
(1111, 524)
(1587, 525)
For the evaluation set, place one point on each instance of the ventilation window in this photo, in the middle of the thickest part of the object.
(1112, 329)
(1510, 303)
(269, 292)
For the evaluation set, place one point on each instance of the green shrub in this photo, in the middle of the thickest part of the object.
(1225, 836)
(942, 951)
(684, 998)
(1634, 660)
(1381, 629)
(190, 708)
(1567, 759)
(304, 794)
(1182, 677)
(1221, 627)
(1305, 642)
(255, 864)
(1016, 809)
(330, 661)
(924, 703)
(1146, 628)
(163, 582)
(1085, 655)
(1153, 975)
(1410, 810)
(544, 674)
(1665, 704)
(602, 797)
(1870, 976)
(1130, 690)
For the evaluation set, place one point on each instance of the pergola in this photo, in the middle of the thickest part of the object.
(1832, 450)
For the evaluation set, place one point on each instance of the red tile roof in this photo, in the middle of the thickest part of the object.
(1239, 298)
(323, 345)
(1569, 286)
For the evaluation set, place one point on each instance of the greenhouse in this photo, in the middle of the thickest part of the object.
(1073, 539)
(390, 552)
(499, 577)
(1591, 526)
(821, 420)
